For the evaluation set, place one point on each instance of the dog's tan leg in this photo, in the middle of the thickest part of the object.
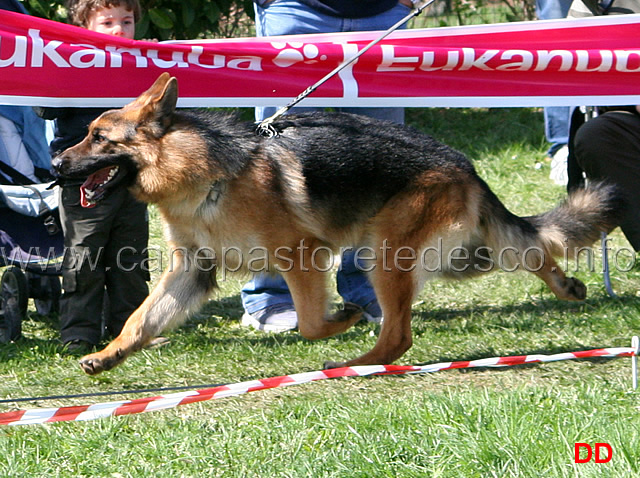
(309, 292)
(181, 291)
(395, 292)
(307, 281)
(565, 288)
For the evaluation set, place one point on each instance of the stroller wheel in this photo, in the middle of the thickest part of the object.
(14, 296)
(48, 300)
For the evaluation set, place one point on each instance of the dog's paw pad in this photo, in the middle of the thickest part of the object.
(576, 289)
(90, 366)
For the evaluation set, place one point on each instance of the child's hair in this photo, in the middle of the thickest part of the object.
(81, 10)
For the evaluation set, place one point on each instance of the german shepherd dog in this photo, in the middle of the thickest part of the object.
(325, 181)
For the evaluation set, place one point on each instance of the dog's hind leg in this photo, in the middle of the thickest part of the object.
(307, 282)
(181, 291)
(538, 260)
(565, 288)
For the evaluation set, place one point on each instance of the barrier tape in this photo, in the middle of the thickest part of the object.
(163, 402)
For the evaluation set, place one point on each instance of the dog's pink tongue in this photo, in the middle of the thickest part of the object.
(91, 185)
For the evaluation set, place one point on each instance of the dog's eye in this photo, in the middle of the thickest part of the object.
(99, 138)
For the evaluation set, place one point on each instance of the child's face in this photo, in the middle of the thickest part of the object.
(116, 21)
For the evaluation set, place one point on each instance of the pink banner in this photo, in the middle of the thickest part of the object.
(594, 61)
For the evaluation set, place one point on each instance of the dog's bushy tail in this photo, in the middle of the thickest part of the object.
(579, 221)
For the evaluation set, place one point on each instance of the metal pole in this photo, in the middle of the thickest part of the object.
(635, 344)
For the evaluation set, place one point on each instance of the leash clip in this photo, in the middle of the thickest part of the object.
(266, 129)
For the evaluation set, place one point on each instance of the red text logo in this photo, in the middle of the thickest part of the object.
(585, 452)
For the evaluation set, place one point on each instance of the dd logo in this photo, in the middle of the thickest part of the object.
(590, 453)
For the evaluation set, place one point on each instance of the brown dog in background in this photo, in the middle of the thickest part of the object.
(325, 181)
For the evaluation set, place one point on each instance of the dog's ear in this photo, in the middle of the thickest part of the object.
(158, 103)
(155, 90)
(164, 103)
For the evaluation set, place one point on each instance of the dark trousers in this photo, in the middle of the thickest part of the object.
(608, 147)
(103, 273)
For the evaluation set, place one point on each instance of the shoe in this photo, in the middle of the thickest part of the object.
(559, 174)
(78, 347)
(275, 318)
(372, 312)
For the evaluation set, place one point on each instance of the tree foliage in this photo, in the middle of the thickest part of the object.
(173, 19)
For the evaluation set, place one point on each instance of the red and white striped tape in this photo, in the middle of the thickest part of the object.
(127, 407)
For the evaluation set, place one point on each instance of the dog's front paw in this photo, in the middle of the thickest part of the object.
(329, 365)
(93, 364)
(575, 289)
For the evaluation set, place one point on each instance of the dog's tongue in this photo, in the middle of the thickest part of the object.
(92, 189)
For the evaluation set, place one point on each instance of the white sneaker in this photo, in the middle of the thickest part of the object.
(276, 318)
(559, 174)
(372, 313)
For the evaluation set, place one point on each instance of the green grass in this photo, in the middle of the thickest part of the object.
(512, 422)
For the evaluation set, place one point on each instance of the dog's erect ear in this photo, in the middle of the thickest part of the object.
(164, 104)
(156, 90)
(158, 103)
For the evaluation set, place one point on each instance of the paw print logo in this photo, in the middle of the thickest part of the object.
(292, 53)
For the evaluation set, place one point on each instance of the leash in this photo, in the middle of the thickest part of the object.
(265, 127)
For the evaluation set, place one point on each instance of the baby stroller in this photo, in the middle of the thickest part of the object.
(31, 245)
(31, 240)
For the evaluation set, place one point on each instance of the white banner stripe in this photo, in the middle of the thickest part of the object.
(369, 369)
(306, 377)
(38, 415)
(169, 401)
(614, 351)
(488, 362)
(414, 102)
(100, 410)
(436, 367)
(233, 391)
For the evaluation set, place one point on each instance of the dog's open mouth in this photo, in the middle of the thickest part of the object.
(95, 187)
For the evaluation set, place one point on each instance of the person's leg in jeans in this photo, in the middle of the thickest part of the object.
(556, 118)
(556, 126)
(266, 299)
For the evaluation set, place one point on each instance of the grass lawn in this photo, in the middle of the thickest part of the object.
(512, 422)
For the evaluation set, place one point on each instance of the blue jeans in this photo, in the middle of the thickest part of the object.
(552, 9)
(556, 126)
(289, 17)
(556, 118)
(265, 290)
